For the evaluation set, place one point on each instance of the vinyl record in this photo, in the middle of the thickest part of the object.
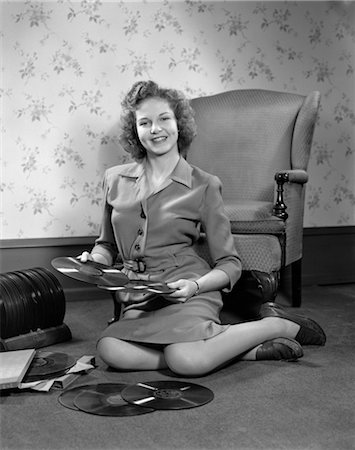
(37, 300)
(47, 365)
(140, 285)
(57, 293)
(18, 303)
(67, 397)
(90, 272)
(5, 330)
(167, 395)
(10, 306)
(104, 400)
(26, 288)
(43, 297)
(160, 288)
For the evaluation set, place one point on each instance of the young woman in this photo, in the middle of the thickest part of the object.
(154, 210)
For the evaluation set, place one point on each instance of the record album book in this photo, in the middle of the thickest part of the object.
(13, 366)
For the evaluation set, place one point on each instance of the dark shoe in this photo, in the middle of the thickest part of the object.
(310, 332)
(279, 349)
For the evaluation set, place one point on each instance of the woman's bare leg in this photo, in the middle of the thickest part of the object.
(201, 357)
(124, 355)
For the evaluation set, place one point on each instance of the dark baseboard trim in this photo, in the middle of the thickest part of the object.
(328, 257)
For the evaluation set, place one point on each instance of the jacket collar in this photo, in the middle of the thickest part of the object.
(182, 172)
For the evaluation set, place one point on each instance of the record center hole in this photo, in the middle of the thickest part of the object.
(167, 393)
(89, 270)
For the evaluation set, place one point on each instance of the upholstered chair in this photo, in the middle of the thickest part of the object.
(258, 143)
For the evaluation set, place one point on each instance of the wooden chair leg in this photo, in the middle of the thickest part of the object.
(296, 282)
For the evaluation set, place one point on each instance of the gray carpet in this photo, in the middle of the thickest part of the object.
(308, 404)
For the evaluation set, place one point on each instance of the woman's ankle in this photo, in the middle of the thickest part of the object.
(282, 327)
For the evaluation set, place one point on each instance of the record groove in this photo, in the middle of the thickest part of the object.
(46, 365)
(90, 272)
(103, 399)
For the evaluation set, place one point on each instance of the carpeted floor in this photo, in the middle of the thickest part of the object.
(309, 404)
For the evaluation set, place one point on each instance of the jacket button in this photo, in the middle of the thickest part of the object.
(140, 232)
(137, 247)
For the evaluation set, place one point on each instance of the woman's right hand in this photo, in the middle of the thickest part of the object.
(85, 257)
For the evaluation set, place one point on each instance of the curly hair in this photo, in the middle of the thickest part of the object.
(143, 90)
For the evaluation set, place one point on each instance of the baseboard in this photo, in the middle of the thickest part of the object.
(328, 257)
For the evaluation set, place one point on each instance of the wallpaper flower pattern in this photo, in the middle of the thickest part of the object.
(67, 64)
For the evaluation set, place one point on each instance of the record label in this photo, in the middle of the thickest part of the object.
(167, 395)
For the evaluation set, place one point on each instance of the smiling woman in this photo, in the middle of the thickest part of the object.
(157, 127)
(153, 213)
(174, 108)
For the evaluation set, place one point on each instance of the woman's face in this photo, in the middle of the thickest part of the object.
(157, 126)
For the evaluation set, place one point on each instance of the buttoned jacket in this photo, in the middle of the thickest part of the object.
(160, 228)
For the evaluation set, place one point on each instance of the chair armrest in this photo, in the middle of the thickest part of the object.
(298, 176)
(292, 176)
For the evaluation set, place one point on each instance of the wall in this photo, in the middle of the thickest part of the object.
(66, 65)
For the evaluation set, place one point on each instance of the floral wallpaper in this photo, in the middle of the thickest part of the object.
(66, 65)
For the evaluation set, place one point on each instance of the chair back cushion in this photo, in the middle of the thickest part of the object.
(244, 137)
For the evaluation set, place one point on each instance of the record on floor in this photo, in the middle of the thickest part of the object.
(47, 365)
(167, 394)
(67, 397)
(103, 399)
(90, 272)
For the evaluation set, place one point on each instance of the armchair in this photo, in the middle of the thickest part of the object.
(258, 143)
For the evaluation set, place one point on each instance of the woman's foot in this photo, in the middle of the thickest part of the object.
(279, 349)
(310, 333)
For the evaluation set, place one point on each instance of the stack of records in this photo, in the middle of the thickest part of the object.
(32, 309)
(106, 277)
(117, 399)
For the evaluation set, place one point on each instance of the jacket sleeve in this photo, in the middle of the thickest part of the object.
(105, 244)
(216, 225)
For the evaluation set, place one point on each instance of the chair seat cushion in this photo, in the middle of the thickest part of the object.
(253, 217)
(260, 252)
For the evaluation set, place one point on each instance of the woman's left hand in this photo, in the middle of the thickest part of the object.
(184, 289)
